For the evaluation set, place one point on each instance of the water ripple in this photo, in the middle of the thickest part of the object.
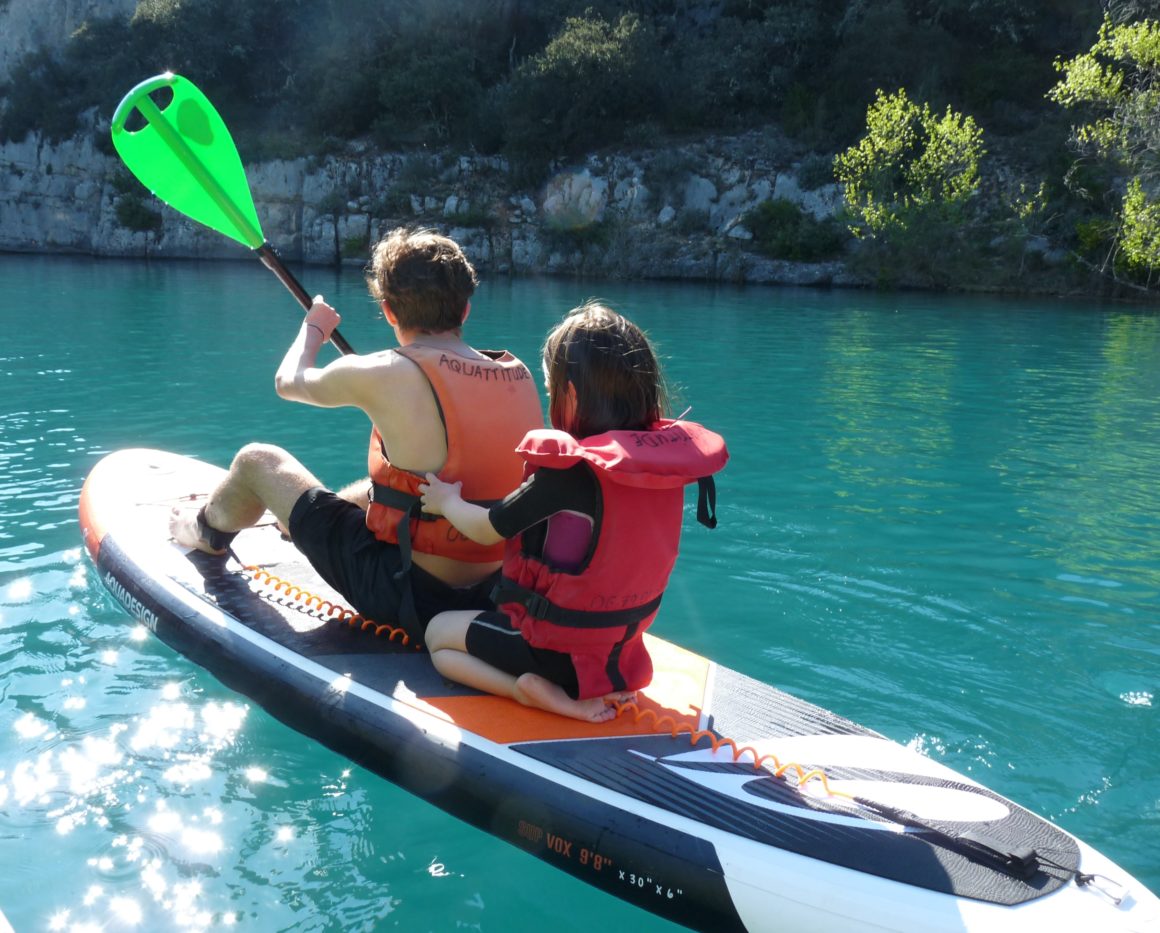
(939, 519)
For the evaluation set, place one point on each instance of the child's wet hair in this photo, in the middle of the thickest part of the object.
(609, 361)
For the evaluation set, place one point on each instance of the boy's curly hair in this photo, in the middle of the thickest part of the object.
(424, 277)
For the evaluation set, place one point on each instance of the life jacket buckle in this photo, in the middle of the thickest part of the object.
(537, 605)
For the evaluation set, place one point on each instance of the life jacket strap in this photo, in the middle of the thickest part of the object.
(540, 607)
(413, 505)
(707, 502)
(412, 508)
(403, 501)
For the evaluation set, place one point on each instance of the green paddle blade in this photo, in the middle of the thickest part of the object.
(184, 154)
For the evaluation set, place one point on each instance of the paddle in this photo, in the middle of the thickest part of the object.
(184, 154)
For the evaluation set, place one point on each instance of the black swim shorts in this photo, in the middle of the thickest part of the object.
(491, 638)
(332, 534)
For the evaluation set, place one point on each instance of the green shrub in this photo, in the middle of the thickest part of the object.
(782, 230)
(333, 203)
(32, 100)
(1140, 239)
(591, 81)
(911, 163)
(417, 173)
(124, 183)
(566, 238)
(357, 246)
(542, 81)
(667, 175)
(394, 202)
(478, 217)
(134, 214)
(815, 171)
(810, 115)
(429, 88)
(691, 220)
(725, 73)
(1113, 86)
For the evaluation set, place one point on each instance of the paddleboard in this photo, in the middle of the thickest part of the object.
(716, 801)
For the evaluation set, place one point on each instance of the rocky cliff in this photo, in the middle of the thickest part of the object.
(651, 214)
(669, 213)
(30, 25)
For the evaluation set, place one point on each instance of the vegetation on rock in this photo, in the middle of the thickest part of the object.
(903, 91)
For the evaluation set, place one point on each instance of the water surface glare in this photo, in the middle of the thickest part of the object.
(940, 519)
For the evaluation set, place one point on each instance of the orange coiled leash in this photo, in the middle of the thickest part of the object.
(324, 608)
(1015, 860)
(314, 604)
(777, 769)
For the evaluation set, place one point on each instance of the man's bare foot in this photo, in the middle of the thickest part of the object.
(185, 531)
(536, 691)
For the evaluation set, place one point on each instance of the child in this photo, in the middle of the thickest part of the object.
(592, 533)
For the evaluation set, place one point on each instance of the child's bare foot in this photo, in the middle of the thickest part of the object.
(188, 529)
(536, 691)
(619, 699)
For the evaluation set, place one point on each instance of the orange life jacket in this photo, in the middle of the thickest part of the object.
(487, 406)
(598, 613)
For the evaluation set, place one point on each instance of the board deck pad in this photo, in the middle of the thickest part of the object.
(590, 798)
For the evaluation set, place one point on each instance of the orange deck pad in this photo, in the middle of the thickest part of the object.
(677, 692)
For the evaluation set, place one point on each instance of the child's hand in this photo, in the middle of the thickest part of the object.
(436, 494)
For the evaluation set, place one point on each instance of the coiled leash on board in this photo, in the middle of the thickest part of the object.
(1020, 862)
(333, 612)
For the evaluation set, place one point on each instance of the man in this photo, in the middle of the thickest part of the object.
(435, 404)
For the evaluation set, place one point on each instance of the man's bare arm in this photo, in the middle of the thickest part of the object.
(300, 379)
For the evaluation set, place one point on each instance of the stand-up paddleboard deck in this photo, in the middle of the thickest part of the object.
(685, 825)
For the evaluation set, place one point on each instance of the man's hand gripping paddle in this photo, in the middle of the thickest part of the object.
(184, 154)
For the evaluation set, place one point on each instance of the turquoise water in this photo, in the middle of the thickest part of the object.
(941, 519)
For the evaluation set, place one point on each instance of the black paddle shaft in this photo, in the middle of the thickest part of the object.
(271, 261)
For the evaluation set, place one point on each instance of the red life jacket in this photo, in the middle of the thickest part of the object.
(598, 613)
(486, 406)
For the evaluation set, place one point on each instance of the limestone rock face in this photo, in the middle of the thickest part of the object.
(670, 212)
(611, 216)
(574, 200)
(29, 25)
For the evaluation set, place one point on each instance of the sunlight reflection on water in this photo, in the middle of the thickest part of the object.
(97, 778)
(940, 522)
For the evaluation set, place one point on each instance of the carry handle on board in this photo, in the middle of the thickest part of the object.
(185, 155)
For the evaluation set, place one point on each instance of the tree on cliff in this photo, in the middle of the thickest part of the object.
(1116, 87)
(910, 166)
(908, 181)
(592, 79)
